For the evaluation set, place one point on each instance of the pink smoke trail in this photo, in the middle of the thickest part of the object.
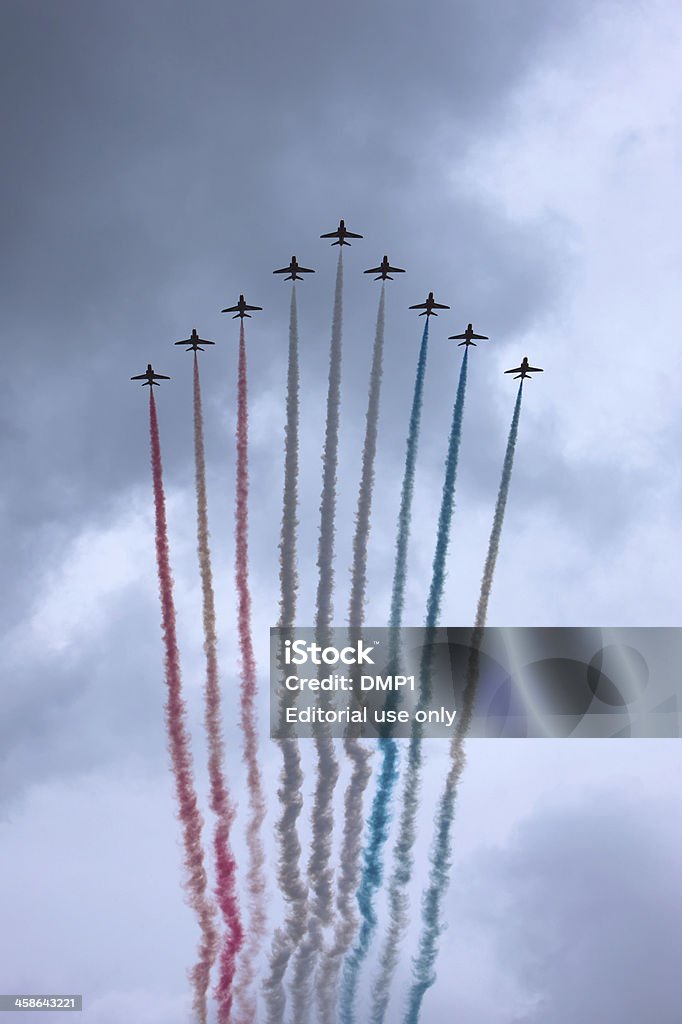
(221, 802)
(179, 743)
(246, 1001)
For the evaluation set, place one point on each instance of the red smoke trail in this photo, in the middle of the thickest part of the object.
(221, 803)
(246, 1002)
(179, 743)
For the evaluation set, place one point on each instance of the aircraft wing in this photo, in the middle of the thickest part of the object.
(395, 270)
(420, 305)
(481, 337)
(160, 376)
(231, 309)
(252, 307)
(376, 270)
(517, 369)
(140, 376)
(304, 270)
(284, 270)
(332, 234)
(439, 305)
(204, 342)
(351, 234)
(535, 369)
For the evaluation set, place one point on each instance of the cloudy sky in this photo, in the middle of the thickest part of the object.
(523, 161)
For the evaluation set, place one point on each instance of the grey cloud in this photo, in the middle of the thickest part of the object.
(160, 155)
(581, 909)
(164, 159)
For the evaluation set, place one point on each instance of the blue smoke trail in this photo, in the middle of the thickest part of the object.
(447, 501)
(380, 814)
(403, 853)
(423, 964)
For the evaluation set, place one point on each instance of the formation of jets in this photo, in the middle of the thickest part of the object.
(194, 342)
(524, 370)
(294, 270)
(149, 377)
(383, 270)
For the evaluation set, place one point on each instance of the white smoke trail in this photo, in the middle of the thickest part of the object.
(349, 872)
(321, 907)
(287, 938)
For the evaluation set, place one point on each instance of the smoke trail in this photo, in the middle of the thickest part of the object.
(498, 520)
(447, 502)
(403, 853)
(380, 815)
(319, 872)
(288, 577)
(221, 803)
(286, 939)
(179, 743)
(358, 587)
(246, 1002)
(405, 514)
(372, 874)
(351, 846)
(325, 550)
(423, 965)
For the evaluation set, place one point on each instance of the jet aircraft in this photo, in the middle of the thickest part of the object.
(150, 377)
(468, 336)
(524, 370)
(341, 233)
(193, 342)
(240, 309)
(293, 271)
(383, 270)
(429, 306)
